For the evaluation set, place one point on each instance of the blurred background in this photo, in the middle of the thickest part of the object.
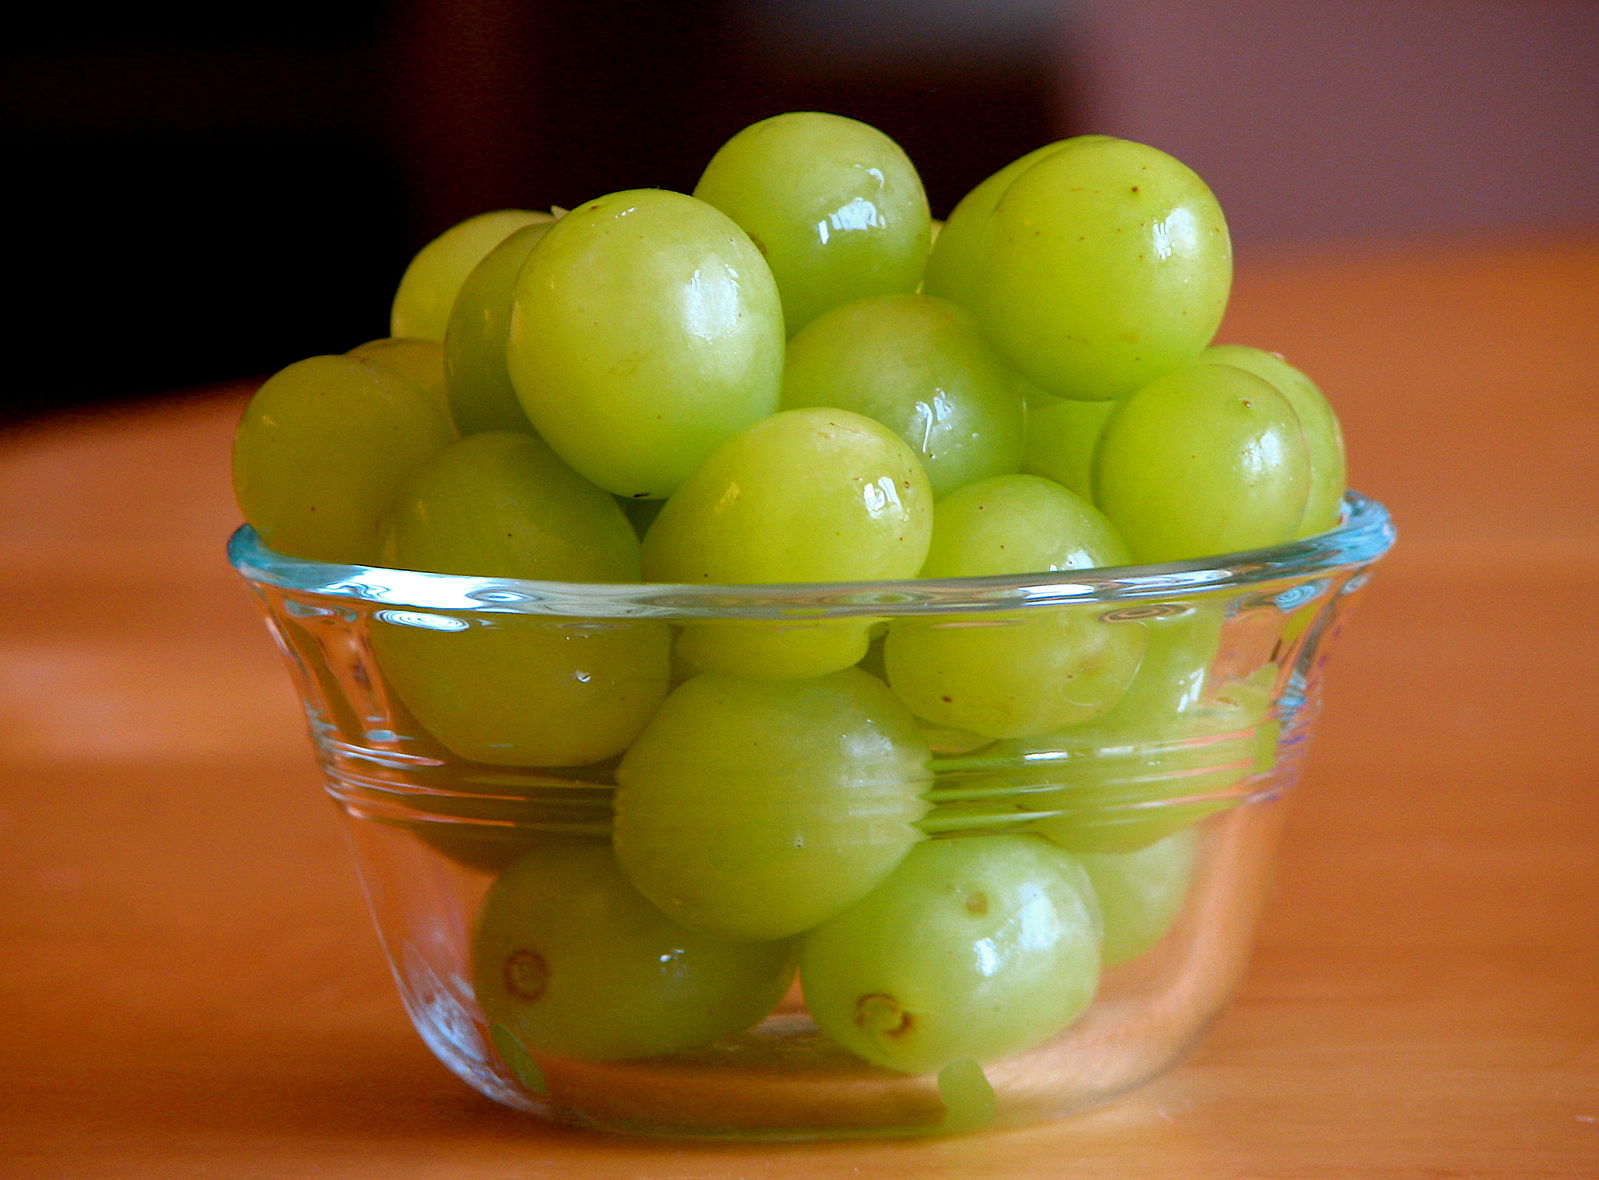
(204, 194)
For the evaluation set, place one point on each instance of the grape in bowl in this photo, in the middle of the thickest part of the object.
(784, 679)
(1158, 838)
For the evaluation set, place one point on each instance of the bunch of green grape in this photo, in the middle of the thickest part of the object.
(948, 825)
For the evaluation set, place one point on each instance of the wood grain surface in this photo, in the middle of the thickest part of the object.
(191, 987)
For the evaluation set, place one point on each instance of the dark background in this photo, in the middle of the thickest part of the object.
(197, 195)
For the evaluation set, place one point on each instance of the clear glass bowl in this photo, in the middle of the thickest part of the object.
(1170, 799)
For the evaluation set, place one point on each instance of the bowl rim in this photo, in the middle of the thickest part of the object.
(1363, 535)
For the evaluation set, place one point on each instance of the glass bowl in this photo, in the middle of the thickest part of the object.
(636, 868)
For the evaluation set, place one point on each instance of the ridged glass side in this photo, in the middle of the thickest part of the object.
(1198, 751)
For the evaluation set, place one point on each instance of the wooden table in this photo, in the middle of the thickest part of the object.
(190, 986)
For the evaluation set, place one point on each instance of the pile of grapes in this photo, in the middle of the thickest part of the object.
(794, 376)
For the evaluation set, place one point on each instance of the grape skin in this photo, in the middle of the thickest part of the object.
(1140, 893)
(1014, 524)
(421, 361)
(1009, 674)
(952, 267)
(1208, 459)
(321, 450)
(834, 204)
(1323, 436)
(1169, 753)
(977, 947)
(918, 365)
(754, 809)
(514, 689)
(478, 333)
(1063, 440)
(645, 329)
(572, 961)
(1101, 266)
(808, 495)
(431, 281)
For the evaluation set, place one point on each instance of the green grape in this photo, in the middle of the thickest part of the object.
(501, 504)
(427, 289)
(755, 809)
(505, 688)
(573, 962)
(969, 1100)
(812, 495)
(1014, 524)
(1173, 750)
(421, 361)
(1013, 673)
(771, 649)
(645, 329)
(834, 204)
(321, 450)
(1101, 266)
(1140, 893)
(918, 365)
(979, 947)
(1323, 435)
(1063, 440)
(1207, 459)
(479, 389)
(952, 265)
